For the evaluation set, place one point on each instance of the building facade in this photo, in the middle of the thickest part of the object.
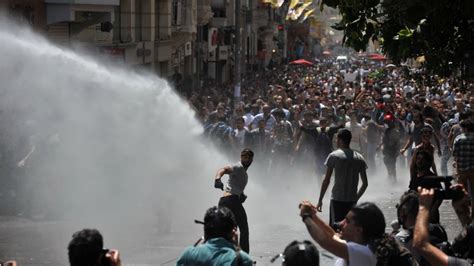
(195, 38)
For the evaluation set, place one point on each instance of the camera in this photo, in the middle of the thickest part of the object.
(218, 184)
(437, 182)
(104, 261)
(337, 226)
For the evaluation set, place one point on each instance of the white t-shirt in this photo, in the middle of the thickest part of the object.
(240, 136)
(359, 255)
(248, 119)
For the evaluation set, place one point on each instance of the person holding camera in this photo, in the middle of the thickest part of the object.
(425, 145)
(220, 247)
(362, 240)
(87, 249)
(234, 193)
(348, 166)
(421, 165)
(421, 237)
(407, 210)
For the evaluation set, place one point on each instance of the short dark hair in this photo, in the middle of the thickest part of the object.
(368, 216)
(465, 115)
(409, 204)
(239, 118)
(427, 129)
(85, 247)
(467, 124)
(248, 152)
(218, 222)
(278, 113)
(344, 135)
(301, 254)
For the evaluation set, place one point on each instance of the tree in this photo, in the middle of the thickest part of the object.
(440, 30)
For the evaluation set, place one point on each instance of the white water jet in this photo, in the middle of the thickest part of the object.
(110, 144)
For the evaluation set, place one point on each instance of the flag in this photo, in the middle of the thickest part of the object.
(294, 14)
(291, 9)
(274, 3)
(307, 14)
(293, 3)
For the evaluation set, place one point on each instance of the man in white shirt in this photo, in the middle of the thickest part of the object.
(240, 133)
(266, 116)
(363, 224)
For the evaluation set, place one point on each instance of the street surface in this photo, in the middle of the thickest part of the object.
(272, 227)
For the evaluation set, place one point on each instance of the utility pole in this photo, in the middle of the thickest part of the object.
(238, 54)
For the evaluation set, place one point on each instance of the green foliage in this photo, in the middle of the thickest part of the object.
(441, 30)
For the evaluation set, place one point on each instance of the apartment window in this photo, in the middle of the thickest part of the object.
(218, 7)
(138, 21)
(177, 8)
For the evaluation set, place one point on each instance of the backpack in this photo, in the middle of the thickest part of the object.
(391, 252)
(404, 258)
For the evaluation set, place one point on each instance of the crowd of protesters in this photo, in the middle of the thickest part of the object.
(330, 116)
(299, 115)
(292, 113)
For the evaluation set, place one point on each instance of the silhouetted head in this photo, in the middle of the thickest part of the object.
(364, 221)
(301, 254)
(219, 222)
(85, 248)
(344, 137)
(246, 157)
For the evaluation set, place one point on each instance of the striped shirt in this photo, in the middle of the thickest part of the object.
(463, 151)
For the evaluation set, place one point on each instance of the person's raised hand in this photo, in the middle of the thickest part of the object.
(425, 197)
(306, 207)
(114, 257)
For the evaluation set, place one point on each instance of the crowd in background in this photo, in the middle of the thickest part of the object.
(290, 115)
(282, 112)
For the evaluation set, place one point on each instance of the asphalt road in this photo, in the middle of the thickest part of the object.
(273, 221)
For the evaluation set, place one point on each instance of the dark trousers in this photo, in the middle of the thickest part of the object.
(233, 203)
(390, 160)
(338, 211)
